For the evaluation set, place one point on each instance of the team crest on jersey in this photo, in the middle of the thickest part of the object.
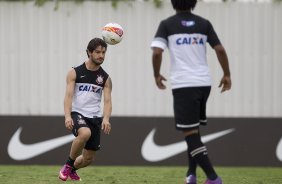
(100, 79)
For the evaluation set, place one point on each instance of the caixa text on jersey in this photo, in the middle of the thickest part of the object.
(90, 88)
(197, 40)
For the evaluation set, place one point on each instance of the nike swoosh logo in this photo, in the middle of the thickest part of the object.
(279, 150)
(19, 151)
(155, 153)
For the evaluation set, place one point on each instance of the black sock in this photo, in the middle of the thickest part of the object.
(199, 152)
(70, 161)
(74, 169)
(191, 163)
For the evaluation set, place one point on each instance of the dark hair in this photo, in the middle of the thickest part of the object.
(94, 43)
(183, 4)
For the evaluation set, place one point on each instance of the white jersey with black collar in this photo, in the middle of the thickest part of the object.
(186, 35)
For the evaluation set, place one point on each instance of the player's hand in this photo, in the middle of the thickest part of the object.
(159, 81)
(106, 127)
(225, 83)
(69, 123)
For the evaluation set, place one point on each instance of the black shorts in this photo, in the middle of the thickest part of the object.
(94, 124)
(190, 107)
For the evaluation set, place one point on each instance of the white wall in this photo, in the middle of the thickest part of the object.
(39, 45)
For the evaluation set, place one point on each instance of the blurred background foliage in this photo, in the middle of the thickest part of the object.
(156, 3)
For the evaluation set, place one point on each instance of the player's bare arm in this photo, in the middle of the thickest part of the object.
(157, 61)
(68, 98)
(225, 82)
(106, 126)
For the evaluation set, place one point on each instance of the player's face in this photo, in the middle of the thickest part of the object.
(98, 55)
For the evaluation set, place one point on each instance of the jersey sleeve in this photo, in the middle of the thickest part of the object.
(213, 39)
(160, 39)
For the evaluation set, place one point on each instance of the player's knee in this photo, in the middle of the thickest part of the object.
(78, 162)
(84, 134)
(194, 141)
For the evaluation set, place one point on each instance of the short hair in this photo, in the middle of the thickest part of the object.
(94, 43)
(183, 4)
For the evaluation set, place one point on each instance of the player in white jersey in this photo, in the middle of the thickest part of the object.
(85, 86)
(186, 35)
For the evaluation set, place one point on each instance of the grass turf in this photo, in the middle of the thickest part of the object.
(136, 175)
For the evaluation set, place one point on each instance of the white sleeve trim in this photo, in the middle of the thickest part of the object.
(159, 42)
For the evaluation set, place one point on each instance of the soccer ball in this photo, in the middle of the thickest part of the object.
(112, 33)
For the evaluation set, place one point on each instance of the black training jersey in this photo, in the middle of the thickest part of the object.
(88, 91)
(186, 35)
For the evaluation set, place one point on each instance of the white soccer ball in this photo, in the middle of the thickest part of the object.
(112, 33)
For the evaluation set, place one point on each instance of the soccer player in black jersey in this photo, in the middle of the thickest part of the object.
(83, 115)
(186, 35)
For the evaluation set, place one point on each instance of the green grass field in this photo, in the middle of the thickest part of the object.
(136, 175)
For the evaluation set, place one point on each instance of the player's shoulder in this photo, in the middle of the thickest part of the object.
(71, 75)
(80, 69)
(200, 18)
(201, 24)
(102, 71)
(80, 66)
(168, 22)
(169, 19)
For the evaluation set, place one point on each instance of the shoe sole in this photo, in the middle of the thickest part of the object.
(62, 177)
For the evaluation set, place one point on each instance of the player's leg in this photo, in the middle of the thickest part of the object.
(191, 173)
(183, 104)
(90, 148)
(192, 164)
(199, 152)
(193, 138)
(203, 121)
(84, 159)
(82, 133)
(81, 161)
(78, 144)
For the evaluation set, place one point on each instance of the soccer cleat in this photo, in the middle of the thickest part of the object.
(74, 176)
(216, 181)
(65, 172)
(191, 179)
